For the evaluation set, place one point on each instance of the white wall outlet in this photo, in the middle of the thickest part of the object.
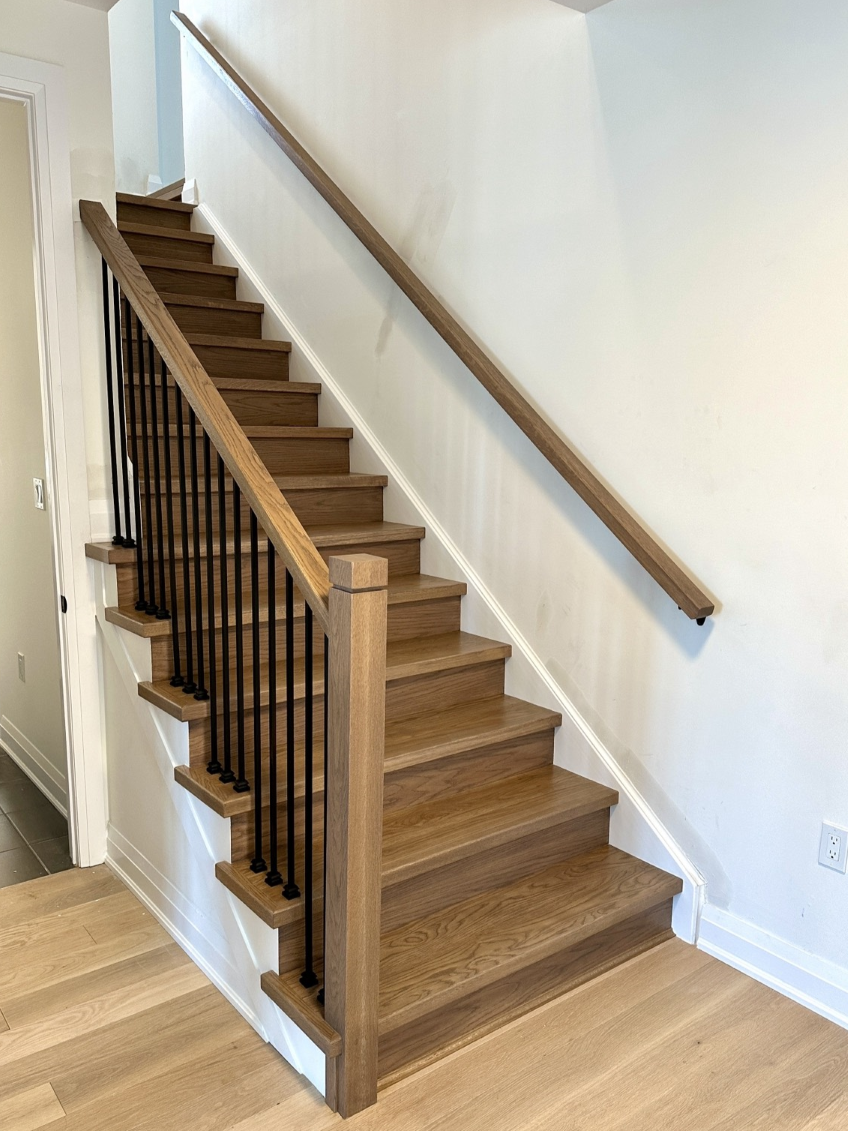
(38, 493)
(833, 848)
(21, 667)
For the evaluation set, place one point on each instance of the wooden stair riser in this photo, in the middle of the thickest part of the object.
(162, 647)
(314, 508)
(206, 320)
(248, 406)
(458, 773)
(287, 455)
(431, 618)
(482, 871)
(260, 364)
(403, 558)
(413, 1046)
(154, 217)
(200, 742)
(169, 247)
(184, 281)
(264, 364)
(406, 698)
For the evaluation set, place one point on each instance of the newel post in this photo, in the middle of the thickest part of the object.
(357, 710)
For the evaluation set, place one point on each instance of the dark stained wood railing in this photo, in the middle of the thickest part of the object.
(691, 598)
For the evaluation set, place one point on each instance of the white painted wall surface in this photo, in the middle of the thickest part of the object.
(76, 38)
(32, 724)
(641, 214)
(133, 58)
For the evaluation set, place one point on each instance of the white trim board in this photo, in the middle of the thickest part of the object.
(41, 89)
(814, 982)
(37, 767)
(638, 811)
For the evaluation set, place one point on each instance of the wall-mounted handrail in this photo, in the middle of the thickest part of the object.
(625, 526)
(278, 520)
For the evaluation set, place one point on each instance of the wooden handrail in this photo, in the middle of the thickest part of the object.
(626, 527)
(273, 512)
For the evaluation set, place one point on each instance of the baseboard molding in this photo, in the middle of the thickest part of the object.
(171, 909)
(814, 982)
(694, 882)
(37, 767)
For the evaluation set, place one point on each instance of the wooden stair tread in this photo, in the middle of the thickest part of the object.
(400, 592)
(154, 202)
(300, 1005)
(188, 265)
(233, 341)
(426, 837)
(222, 799)
(482, 722)
(288, 483)
(435, 833)
(336, 534)
(404, 659)
(176, 234)
(248, 384)
(170, 298)
(456, 951)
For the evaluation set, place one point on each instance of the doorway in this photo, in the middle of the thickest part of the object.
(34, 774)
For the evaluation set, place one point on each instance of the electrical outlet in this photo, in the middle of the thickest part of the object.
(21, 667)
(38, 493)
(833, 848)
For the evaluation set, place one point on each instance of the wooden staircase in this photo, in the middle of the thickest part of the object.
(500, 890)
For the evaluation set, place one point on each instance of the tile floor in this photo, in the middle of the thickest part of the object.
(33, 835)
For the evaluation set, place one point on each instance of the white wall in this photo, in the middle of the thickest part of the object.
(31, 713)
(146, 93)
(641, 214)
(76, 38)
(133, 58)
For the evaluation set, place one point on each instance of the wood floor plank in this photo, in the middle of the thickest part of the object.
(39, 898)
(71, 1024)
(30, 1110)
(27, 1008)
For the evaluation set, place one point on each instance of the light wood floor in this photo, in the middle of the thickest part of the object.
(106, 1026)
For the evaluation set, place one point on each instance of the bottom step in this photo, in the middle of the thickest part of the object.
(468, 969)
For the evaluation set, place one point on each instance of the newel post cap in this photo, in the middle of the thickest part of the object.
(357, 573)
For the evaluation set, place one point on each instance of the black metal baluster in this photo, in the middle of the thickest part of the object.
(110, 405)
(201, 692)
(214, 766)
(273, 878)
(326, 762)
(291, 890)
(241, 784)
(177, 678)
(257, 864)
(189, 686)
(308, 977)
(129, 541)
(227, 775)
(151, 609)
(141, 603)
(162, 612)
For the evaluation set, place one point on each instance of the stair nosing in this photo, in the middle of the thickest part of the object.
(158, 232)
(215, 269)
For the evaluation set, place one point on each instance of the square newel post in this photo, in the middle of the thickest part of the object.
(357, 719)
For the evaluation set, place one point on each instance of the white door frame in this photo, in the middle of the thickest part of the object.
(41, 88)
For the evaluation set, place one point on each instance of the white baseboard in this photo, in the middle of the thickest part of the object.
(689, 904)
(814, 982)
(171, 909)
(37, 766)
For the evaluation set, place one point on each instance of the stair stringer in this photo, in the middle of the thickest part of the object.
(229, 943)
(635, 826)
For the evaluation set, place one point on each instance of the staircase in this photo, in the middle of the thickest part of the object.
(499, 888)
